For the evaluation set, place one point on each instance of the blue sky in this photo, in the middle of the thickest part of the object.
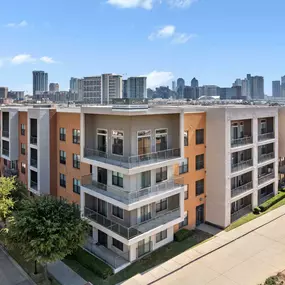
(216, 41)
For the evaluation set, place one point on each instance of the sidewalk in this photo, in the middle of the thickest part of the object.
(246, 255)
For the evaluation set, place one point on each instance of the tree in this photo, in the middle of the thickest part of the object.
(20, 193)
(45, 229)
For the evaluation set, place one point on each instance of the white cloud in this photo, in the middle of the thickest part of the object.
(22, 58)
(17, 25)
(182, 38)
(181, 3)
(158, 78)
(47, 59)
(165, 32)
(145, 4)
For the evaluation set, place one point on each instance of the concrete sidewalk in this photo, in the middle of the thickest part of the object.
(246, 255)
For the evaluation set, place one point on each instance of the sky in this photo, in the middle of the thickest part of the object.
(215, 41)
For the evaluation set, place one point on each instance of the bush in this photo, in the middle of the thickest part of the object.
(256, 211)
(282, 189)
(181, 235)
(91, 262)
(269, 203)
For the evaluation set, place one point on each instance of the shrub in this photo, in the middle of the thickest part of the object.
(181, 235)
(282, 189)
(269, 203)
(256, 211)
(91, 262)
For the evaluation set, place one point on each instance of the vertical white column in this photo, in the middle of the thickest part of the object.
(276, 152)
(254, 199)
(181, 126)
(228, 169)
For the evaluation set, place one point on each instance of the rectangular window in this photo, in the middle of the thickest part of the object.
(161, 236)
(76, 161)
(200, 136)
(76, 136)
(117, 179)
(145, 179)
(23, 148)
(144, 143)
(117, 142)
(118, 212)
(62, 157)
(119, 245)
(183, 167)
(62, 180)
(23, 129)
(185, 222)
(199, 161)
(199, 187)
(161, 139)
(161, 205)
(102, 140)
(23, 167)
(5, 162)
(186, 193)
(62, 134)
(76, 186)
(161, 174)
(186, 138)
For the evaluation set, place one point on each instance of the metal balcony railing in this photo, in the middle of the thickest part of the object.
(8, 172)
(34, 140)
(266, 136)
(34, 185)
(144, 249)
(242, 165)
(5, 134)
(265, 157)
(241, 212)
(34, 162)
(134, 160)
(263, 178)
(129, 197)
(241, 189)
(241, 141)
(5, 151)
(265, 198)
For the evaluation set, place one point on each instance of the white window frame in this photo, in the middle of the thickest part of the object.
(157, 135)
(144, 136)
(116, 136)
(97, 133)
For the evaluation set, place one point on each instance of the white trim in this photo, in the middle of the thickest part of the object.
(106, 135)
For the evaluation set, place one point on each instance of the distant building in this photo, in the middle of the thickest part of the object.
(54, 87)
(209, 91)
(194, 83)
(16, 95)
(76, 87)
(276, 89)
(136, 87)
(173, 86)
(231, 93)
(191, 92)
(125, 88)
(162, 92)
(40, 81)
(257, 87)
(180, 88)
(150, 93)
(3, 92)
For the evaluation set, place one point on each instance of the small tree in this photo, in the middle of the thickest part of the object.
(46, 229)
(20, 193)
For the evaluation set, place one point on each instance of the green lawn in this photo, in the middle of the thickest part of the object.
(157, 257)
(252, 216)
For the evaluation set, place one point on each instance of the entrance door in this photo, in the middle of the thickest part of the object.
(200, 215)
(102, 238)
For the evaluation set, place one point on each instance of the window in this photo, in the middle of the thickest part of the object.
(23, 167)
(76, 161)
(76, 186)
(117, 142)
(62, 134)
(185, 222)
(117, 179)
(76, 136)
(14, 164)
(23, 129)
(161, 236)
(62, 180)
(200, 136)
(161, 205)
(186, 138)
(161, 139)
(118, 212)
(199, 161)
(144, 143)
(145, 179)
(5, 162)
(199, 187)
(186, 193)
(102, 140)
(62, 157)
(23, 148)
(119, 245)
(183, 167)
(161, 174)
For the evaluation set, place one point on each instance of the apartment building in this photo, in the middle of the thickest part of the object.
(242, 160)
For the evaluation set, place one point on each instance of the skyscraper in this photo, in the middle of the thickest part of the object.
(73, 84)
(125, 88)
(180, 88)
(40, 81)
(136, 87)
(173, 86)
(3, 92)
(54, 87)
(257, 87)
(194, 83)
(276, 88)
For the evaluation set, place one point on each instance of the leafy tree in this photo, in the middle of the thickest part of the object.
(45, 229)
(20, 193)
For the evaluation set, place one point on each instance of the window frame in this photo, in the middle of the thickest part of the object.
(163, 134)
(186, 197)
(62, 135)
(76, 186)
(62, 178)
(117, 175)
(23, 129)
(76, 136)
(118, 212)
(161, 205)
(200, 140)
(200, 162)
(62, 161)
(23, 168)
(162, 173)
(187, 137)
(198, 187)
(23, 148)
(184, 167)
(117, 136)
(76, 162)
(117, 244)
(161, 236)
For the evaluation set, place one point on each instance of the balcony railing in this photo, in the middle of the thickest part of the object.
(265, 157)
(144, 249)
(5, 134)
(34, 140)
(34, 185)
(267, 136)
(242, 165)
(241, 212)
(241, 189)
(131, 232)
(263, 178)
(132, 161)
(8, 172)
(241, 141)
(34, 162)
(5, 151)
(129, 197)
(265, 198)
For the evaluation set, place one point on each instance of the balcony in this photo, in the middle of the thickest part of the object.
(265, 157)
(241, 212)
(266, 136)
(34, 185)
(242, 165)
(5, 151)
(241, 189)
(265, 198)
(34, 140)
(34, 162)
(131, 232)
(5, 133)
(9, 172)
(129, 197)
(241, 141)
(132, 161)
(264, 178)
